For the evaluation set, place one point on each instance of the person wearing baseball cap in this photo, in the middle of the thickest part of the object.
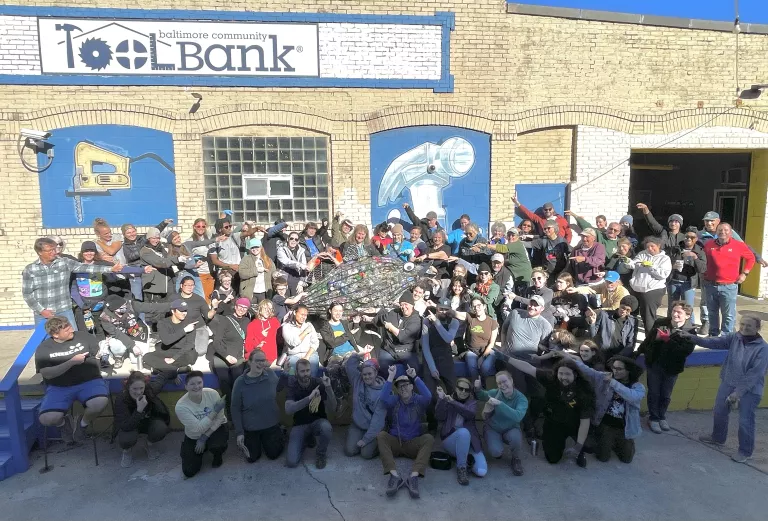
(516, 259)
(550, 251)
(429, 225)
(176, 351)
(587, 258)
(610, 291)
(673, 236)
(547, 212)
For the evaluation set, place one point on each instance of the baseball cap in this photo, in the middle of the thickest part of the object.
(179, 304)
(538, 299)
(431, 215)
(401, 379)
(88, 246)
(675, 217)
(547, 206)
(588, 231)
(611, 276)
(497, 257)
(513, 231)
(253, 243)
(710, 216)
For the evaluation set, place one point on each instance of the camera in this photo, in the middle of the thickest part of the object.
(34, 134)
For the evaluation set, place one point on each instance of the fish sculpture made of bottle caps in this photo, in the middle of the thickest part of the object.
(371, 282)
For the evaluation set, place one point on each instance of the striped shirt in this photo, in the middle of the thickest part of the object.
(47, 286)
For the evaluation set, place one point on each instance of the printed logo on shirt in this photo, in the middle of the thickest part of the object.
(476, 329)
(203, 414)
(72, 350)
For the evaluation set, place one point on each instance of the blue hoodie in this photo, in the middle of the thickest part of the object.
(745, 364)
(368, 413)
(405, 418)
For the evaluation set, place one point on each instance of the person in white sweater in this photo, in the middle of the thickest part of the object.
(301, 340)
(201, 411)
(652, 268)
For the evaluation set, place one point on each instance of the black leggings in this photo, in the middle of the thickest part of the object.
(191, 462)
(154, 428)
(227, 375)
(270, 439)
(649, 304)
(555, 436)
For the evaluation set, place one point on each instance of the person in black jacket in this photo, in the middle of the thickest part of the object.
(429, 224)
(226, 351)
(139, 410)
(689, 262)
(665, 350)
(671, 237)
(177, 337)
(615, 331)
(402, 332)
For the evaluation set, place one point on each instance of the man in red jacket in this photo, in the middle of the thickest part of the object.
(725, 271)
(548, 211)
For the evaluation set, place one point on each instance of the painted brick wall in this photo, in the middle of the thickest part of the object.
(18, 41)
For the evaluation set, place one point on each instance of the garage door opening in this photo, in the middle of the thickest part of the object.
(690, 184)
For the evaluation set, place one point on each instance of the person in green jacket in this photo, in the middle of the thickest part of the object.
(504, 411)
(485, 289)
(516, 255)
(608, 236)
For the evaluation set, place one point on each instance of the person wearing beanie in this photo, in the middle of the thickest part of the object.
(615, 332)
(617, 406)
(368, 414)
(256, 272)
(400, 247)
(486, 289)
(132, 245)
(673, 236)
(225, 356)
(402, 332)
(627, 224)
(550, 251)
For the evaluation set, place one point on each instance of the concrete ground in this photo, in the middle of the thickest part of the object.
(672, 477)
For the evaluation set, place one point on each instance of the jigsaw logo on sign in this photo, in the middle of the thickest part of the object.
(169, 47)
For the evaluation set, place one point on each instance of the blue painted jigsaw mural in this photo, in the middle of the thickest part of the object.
(124, 174)
(433, 168)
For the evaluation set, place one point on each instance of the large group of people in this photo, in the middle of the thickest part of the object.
(554, 324)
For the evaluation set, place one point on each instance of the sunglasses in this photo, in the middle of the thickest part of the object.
(227, 226)
(201, 226)
(293, 238)
(537, 278)
(463, 389)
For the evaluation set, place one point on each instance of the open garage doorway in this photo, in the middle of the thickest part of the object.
(690, 184)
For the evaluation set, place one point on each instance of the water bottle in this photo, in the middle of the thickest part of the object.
(139, 362)
(88, 319)
(598, 301)
(534, 447)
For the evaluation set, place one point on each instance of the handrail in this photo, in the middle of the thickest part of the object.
(23, 358)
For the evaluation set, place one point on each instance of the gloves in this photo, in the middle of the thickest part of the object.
(200, 445)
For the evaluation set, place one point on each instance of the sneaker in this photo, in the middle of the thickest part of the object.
(66, 429)
(664, 425)
(393, 485)
(740, 458)
(517, 466)
(78, 431)
(118, 363)
(462, 476)
(127, 459)
(581, 460)
(320, 461)
(413, 486)
(655, 427)
(104, 362)
(218, 459)
(711, 441)
(152, 452)
(704, 328)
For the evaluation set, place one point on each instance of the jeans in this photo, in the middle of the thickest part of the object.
(721, 300)
(297, 440)
(458, 445)
(355, 434)
(660, 385)
(226, 375)
(386, 359)
(488, 367)
(470, 359)
(747, 406)
(495, 440)
(703, 311)
(198, 283)
(69, 314)
(314, 364)
(136, 287)
(681, 291)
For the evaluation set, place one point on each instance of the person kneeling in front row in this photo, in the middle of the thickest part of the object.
(141, 411)
(201, 411)
(68, 364)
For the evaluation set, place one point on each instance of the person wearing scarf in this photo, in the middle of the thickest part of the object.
(486, 289)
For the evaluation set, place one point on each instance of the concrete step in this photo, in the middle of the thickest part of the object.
(5, 466)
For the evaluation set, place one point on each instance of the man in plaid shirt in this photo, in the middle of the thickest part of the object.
(45, 282)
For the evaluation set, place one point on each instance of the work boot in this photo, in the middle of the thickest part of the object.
(393, 485)
(413, 486)
(517, 466)
(462, 476)
(704, 328)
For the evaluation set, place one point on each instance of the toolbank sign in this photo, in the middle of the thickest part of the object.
(91, 46)
(80, 46)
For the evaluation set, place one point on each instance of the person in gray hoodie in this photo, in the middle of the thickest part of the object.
(368, 415)
(255, 412)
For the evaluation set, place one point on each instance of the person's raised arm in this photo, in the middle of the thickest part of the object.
(517, 364)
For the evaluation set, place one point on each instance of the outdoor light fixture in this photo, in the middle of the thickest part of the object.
(198, 100)
(754, 92)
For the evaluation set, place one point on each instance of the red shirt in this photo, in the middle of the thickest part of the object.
(724, 260)
(262, 331)
(564, 229)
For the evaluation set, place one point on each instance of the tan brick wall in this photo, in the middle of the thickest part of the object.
(525, 80)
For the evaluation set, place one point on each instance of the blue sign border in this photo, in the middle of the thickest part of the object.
(442, 18)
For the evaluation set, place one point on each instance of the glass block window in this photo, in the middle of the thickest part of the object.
(265, 179)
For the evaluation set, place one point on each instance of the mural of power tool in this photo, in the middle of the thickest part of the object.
(98, 171)
(426, 170)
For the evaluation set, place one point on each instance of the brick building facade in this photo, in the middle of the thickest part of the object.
(498, 96)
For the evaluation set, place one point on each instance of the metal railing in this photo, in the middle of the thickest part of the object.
(9, 386)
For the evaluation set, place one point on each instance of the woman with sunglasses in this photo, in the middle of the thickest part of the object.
(255, 412)
(179, 248)
(459, 433)
(225, 355)
(538, 287)
(689, 262)
(256, 272)
(292, 259)
(568, 306)
(485, 289)
(479, 337)
(132, 245)
(200, 233)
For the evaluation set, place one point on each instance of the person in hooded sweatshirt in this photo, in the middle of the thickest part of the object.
(742, 383)
(459, 431)
(615, 332)
(672, 236)
(255, 412)
(649, 280)
(368, 414)
(665, 351)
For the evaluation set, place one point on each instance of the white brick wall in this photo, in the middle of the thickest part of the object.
(18, 45)
(380, 51)
(602, 166)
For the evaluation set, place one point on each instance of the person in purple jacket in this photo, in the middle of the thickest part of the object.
(403, 435)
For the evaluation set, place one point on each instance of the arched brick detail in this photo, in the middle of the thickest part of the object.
(272, 114)
(102, 114)
(435, 114)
